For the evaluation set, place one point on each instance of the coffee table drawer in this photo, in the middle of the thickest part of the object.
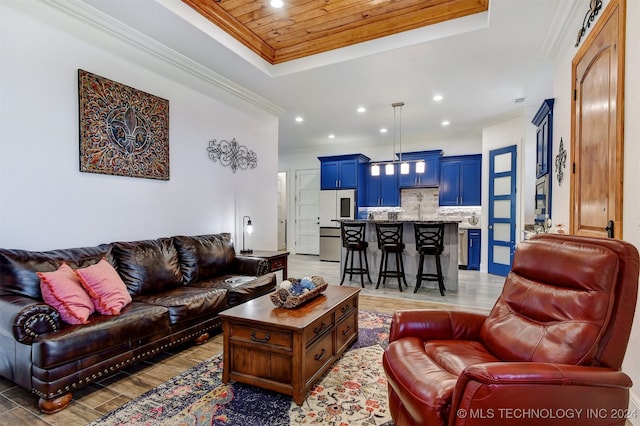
(318, 327)
(318, 355)
(345, 308)
(347, 331)
(260, 336)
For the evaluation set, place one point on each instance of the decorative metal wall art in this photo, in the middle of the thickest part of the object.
(594, 8)
(561, 162)
(123, 131)
(232, 154)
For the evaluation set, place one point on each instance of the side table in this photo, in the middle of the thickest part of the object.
(277, 260)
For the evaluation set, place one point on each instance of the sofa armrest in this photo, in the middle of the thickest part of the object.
(25, 318)
(435, 324)
(496, 373)
(248, 265)
(540, 393)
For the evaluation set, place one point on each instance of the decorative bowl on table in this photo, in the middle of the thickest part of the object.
(293, 292)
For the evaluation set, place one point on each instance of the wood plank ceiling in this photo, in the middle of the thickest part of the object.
(307, 27)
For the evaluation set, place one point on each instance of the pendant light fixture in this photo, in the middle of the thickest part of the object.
(390, 166)
(397, 116)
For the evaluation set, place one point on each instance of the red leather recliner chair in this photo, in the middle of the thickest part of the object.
(548, 353)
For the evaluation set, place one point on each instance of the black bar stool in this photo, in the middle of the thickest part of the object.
(353, 241)
(429, 242)
(390, 241)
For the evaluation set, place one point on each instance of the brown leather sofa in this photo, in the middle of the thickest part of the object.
(549, 352)
(178, 286)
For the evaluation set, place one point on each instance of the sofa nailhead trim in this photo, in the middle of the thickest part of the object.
(39, 317)
(147, 354)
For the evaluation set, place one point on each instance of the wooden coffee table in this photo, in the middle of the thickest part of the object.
(287, 350)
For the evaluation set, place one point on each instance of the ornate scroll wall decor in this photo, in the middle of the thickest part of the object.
(561, 162)
(594, 8)
(232, 154)
(123, 131)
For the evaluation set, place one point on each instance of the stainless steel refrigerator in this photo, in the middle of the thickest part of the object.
(335, 205)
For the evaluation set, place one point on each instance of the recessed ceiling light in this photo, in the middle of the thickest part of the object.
(361, 109)
(299, 119)
(277, 3)
(445, 123)
(437, 98)
(383, 130)
(332, 136)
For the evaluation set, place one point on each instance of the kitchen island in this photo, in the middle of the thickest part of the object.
(448, 258)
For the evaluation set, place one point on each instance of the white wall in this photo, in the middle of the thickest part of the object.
(46, 203)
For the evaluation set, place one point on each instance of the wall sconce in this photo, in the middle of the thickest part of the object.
(248, 228)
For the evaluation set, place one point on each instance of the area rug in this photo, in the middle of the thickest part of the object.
(352, 392)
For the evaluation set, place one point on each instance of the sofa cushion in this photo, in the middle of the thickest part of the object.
(105, 287)
(62, 290)
(187, 303)
(148, 266)
(18, 267)
(138, 323)
(204, 256)
(240, 288)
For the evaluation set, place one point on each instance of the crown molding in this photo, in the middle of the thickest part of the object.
(559, 27)
(97, 19)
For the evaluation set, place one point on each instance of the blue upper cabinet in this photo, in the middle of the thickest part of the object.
(342, 171)
(428, 177)
(543, 121)
(381, 190)
(460, 180)
(449, 183)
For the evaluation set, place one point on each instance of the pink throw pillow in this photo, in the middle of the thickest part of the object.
(62, 290)
(105, 287)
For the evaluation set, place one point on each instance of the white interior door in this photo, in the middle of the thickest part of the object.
(307, 212)
(282, 211)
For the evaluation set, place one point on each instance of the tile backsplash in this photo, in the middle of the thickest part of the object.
(419, 203)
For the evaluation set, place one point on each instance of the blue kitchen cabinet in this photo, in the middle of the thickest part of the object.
(473, 261)
(341, 171)
(460, 180)
(449, 183)
(382, 190)
(431, 175)
(543, 120)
